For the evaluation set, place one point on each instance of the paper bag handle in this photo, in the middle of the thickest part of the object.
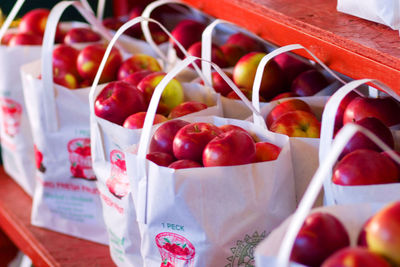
(13, 13)
(100, 8)
(269, 56)
(47, 55)
(311, 194)
(328, 118)
(148, 122)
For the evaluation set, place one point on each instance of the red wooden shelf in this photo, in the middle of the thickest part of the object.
(355, 47)
(44, 247)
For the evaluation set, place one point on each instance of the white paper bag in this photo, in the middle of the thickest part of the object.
(338, 194)
(208, 216)
(385, 12)
(304, 150)
(275, 250)
(108, 142)
(66, 198)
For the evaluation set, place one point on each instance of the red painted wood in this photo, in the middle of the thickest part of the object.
(355, 47)
(44, 247)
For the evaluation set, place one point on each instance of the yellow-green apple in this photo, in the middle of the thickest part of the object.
(66, 79)
(230, 148)
(297, 123)
(89, 60)
(365, 167)
(321, 235)
(64, 59)
(137, 76)
(7, 37)
(342, 107)
(217, 56)
(383, 233)
(232, 53)
(118, 100)
(34, 21)
(359, 140)
(273, 79)
(25, 39)
(309, 83)
(136, 121)
(190, 140)
(386, 109)
(355, 257)
(184, 164)
(291, 66)
(186, 108)
(137, 62)
(246, 42)
(186, 32)
(284, 95)
(266, 151)
(284, 107)
(160, 158)
(81, 35)
(171, 97)
(163, 137)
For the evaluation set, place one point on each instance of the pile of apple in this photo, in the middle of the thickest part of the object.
(324, 241)
(362, 162)
(294, 118)
(33, 24)
(179, 144)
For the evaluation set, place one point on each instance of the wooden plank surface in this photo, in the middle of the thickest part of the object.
(355, 47)
(44, 247)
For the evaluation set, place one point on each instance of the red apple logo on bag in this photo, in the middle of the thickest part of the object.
(80, 158)
(39, 159)
(175, 250)
(11, 116)
(118, 183)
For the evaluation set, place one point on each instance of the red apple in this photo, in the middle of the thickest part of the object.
(284, 107)
(137, 76)
(229, 127)
(187, 32)
(186, 108)
(81, 35)
(184, 164)
(217, 56)
(159, 36)
(171, 97)
(68, 80)
(34, 21)
(321, 235)
(219, 84)
(266, 151)
(163, 137)
(248, 94)
(359, 140)
(362, 235)
(297, 123)
(355, 257)
(64, 59)
(291, 66)
(365, 167)
(232, 53)
(284, 95)
(273, 79)
(85, 83)
(246, 42)
(190, 141)
(25, 39)
(89, 60)
(341, 109)
(228, 149)
(160, 158)
(383, 233)
(7, 37)
(136, 121)
(112, 23)
(118, 100)
(138, 62)
(386, 109)
(309, 83)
